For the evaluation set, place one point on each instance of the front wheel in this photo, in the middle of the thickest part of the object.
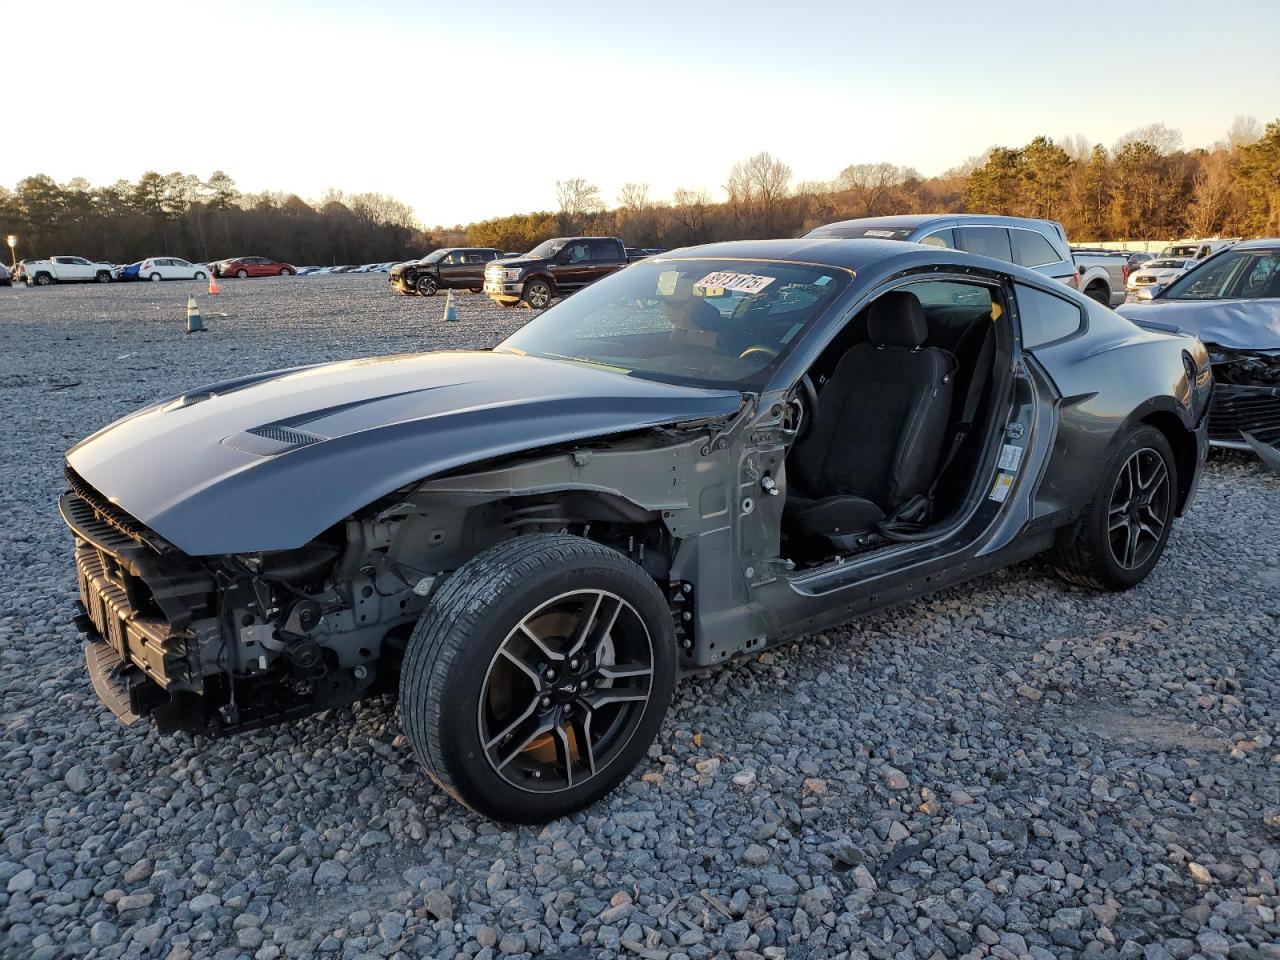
(154, 277)
(426, 286)
(537, 677)
(1121, 536)
(286, 272)
(537, 294)
(102, 276)
(242, 274)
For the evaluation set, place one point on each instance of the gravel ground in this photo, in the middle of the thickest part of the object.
(1013, 768)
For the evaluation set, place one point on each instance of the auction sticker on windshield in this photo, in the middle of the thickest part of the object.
(743, 282)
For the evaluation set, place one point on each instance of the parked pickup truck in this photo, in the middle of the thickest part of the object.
(552, 268)
(41, 273)
(451, 268)
(1101, 275)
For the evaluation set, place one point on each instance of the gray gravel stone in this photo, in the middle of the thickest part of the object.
(1010, 768)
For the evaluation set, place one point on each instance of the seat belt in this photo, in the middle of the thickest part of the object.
(970, 408)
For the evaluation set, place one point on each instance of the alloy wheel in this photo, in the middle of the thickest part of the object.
(565, 691)
(1139, 508)
(538, 296)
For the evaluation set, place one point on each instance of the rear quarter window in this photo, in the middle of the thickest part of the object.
(986, 242)
(1044, 317)
(1032, 249)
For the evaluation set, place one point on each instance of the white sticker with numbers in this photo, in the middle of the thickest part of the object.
(1010, 458)
(745, 282)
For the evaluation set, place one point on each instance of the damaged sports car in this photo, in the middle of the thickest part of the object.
(1231, 302)
(708, 453)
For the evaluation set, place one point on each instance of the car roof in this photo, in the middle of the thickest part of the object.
(853, 254)
(916, 220)
(1265, 243)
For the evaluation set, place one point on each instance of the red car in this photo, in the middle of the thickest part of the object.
(254, 267)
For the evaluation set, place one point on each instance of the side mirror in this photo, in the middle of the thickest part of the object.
(1151, 292)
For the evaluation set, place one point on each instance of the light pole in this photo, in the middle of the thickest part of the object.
(13, 249)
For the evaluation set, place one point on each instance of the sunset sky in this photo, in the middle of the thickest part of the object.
(470, 110)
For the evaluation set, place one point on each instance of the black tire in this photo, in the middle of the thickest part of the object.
(453, 649)
(426, 286)
(286, 272)
(507, 303)
(537, 294)
(43, 280)
(1098, 293)
(242, 273)
(155, 277)
(1086, 552)
(103, 276)
(201, 276)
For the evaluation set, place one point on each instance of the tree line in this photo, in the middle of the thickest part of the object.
(181, 215)
(1145, 186)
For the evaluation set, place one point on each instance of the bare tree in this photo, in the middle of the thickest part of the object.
(1243, 131)
(634, 197)
(759, 184)
(689, 208)
(577, 199)
(870, 184)
(1165, 139)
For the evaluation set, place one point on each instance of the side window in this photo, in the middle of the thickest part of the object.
(1045, 318)
(986, 242)
(941, 238)
(449, 259)
(577, 252)
(1031, 249)
(603, 250)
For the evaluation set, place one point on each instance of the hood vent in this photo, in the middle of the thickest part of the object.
(271, 439)
(286, 435)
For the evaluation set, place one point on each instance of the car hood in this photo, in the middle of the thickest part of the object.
(1233, 324)
(271, 461)
(523, 263)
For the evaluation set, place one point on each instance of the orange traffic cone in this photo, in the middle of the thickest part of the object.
(213, 285)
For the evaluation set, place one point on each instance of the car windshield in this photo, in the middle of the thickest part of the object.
(435, 256)
(1165, 264)
(547, 248)
(1182, 251)
(1240, 274)
(707, 323)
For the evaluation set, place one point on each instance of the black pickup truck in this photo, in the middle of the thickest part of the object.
(553, 268)
(450, 268)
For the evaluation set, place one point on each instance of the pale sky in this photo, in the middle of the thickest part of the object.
(467, 110)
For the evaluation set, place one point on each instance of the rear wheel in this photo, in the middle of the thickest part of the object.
(1121, 536)
(201, 276)
(538, 676)
(426, 286)
(537, 294)
(1099, 293)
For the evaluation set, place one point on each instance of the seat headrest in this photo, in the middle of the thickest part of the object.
(897, 320)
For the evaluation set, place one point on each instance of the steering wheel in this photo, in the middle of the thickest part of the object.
(769, 352)
(809, 407)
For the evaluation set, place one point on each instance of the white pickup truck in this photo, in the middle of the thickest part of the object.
(41, 273)
(1101, 274)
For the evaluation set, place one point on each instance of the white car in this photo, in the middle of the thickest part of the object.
(171, 268)
(40, 273)
(1158, 273)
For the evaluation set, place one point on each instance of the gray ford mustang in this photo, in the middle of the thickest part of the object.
(708, 453)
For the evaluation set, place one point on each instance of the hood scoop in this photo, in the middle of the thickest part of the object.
(271, 439)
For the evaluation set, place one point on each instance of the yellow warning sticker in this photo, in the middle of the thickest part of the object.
(1000, 489)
